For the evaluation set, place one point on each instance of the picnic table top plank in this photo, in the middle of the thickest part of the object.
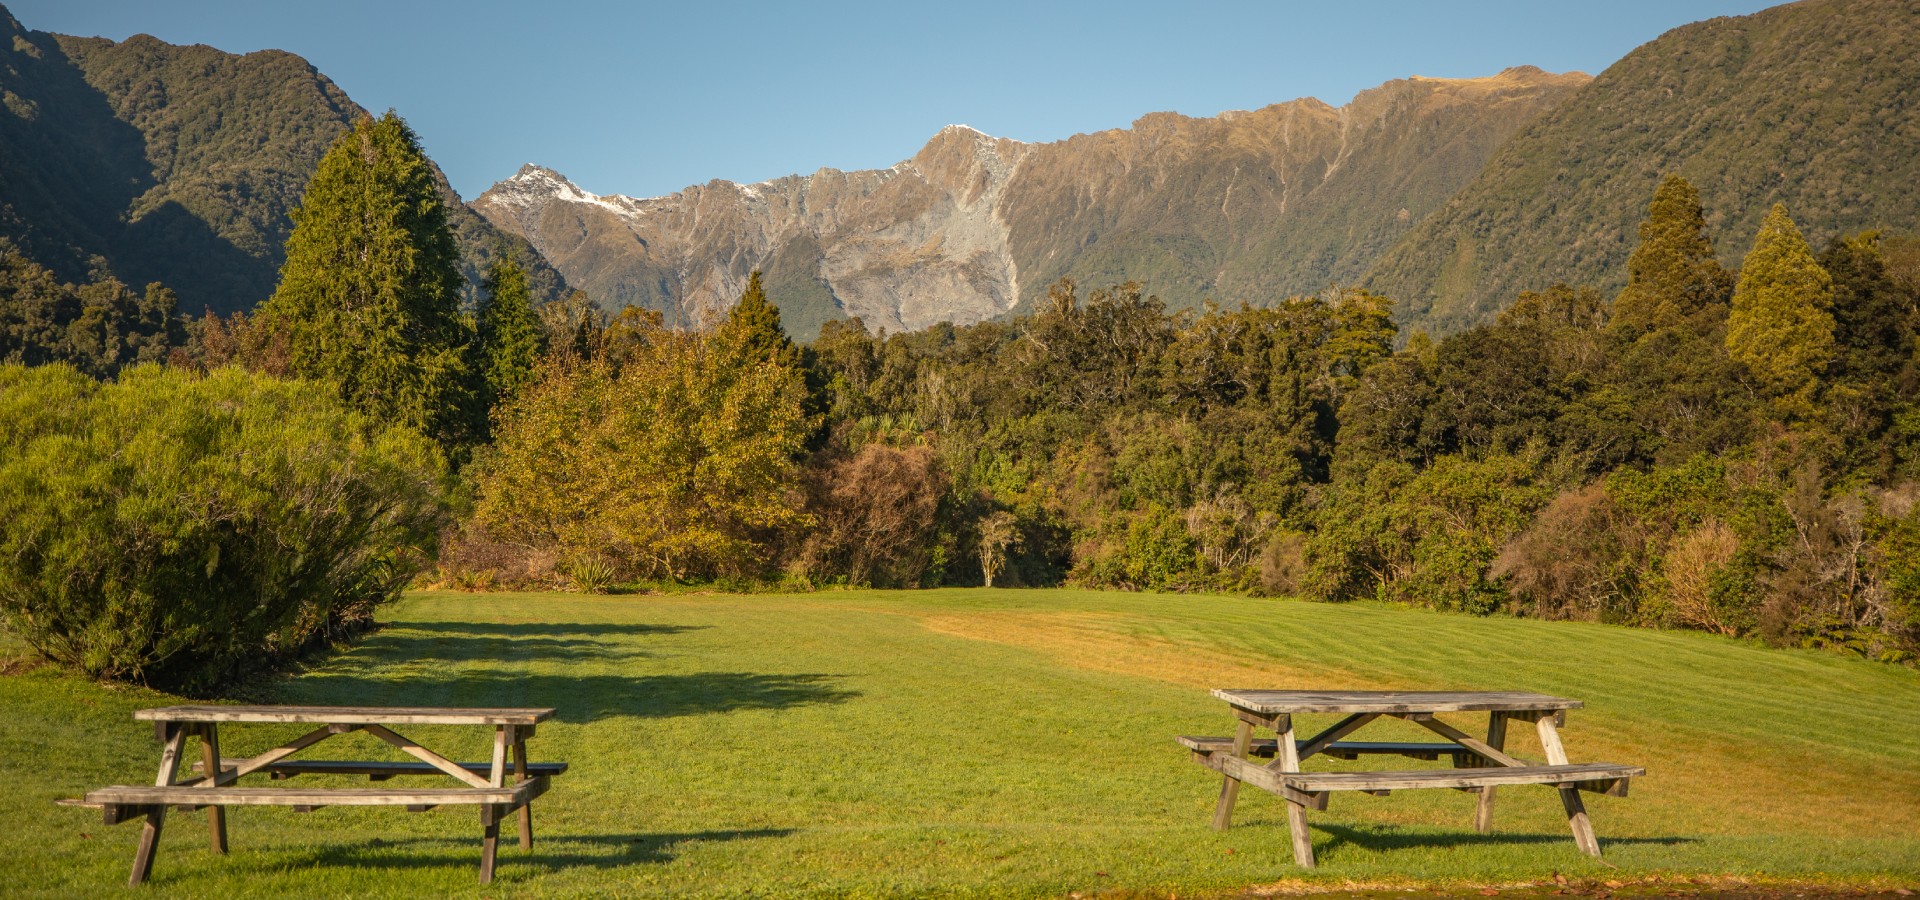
(1269, 702)
(348, 715)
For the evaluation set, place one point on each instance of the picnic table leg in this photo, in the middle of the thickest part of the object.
(490, 840)
(520, 776)
(210, 764)
(175, 738)
(1497, 739)
(1287, 759)
(1569, 797)
(1230, 786)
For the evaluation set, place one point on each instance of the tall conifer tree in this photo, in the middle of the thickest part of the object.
(1781, 325)
(511, 339)
(369, 295)
(752, 331)
(1673, 273)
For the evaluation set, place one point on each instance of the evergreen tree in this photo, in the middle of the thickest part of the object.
(752, 332)
(369, 295)
(511, 339)
(1673, 274)
(1781, 325)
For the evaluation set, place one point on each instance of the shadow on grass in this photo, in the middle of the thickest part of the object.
(550, 853)
(1383, 838)
(532, 629)
(578, 692)
(579, 699)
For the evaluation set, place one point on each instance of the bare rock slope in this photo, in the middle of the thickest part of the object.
(1244, 206)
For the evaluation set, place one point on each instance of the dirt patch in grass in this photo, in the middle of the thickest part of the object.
(1100, 642)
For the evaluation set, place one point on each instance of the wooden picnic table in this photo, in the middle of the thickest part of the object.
(1479, 766)
(483, 784)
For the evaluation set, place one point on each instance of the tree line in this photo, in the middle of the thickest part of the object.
(1730, 451)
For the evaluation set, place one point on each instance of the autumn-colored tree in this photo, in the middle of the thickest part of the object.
(1781, 325)
(661, 452)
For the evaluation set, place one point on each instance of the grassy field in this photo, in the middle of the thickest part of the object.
(995, 743)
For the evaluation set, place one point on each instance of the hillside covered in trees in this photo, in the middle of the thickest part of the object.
(1810, 104)
(146, 162)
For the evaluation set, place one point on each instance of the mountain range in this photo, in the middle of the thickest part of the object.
(153, 161)
(1248, 206)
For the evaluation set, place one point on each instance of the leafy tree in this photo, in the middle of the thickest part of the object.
(510, 337)
(1781, 325)
(663, 451)
(369, 295)
(999, 533)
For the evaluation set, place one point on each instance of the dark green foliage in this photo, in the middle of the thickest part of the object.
(510, 337)
(178, 164)
(369, 296)
(751, 332)
(96, 328)
(1672, 276)
(1808, 103)
(1875, 370)
(177, 530)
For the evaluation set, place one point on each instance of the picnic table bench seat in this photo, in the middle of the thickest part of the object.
(124, 801)
(375, 770)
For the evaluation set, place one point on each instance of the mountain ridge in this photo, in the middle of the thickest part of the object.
(974, 226)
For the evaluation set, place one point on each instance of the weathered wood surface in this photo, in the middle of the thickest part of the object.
(1266, 747)
(378, 771)
(1485, 750)
(348, 715)
(1270, 703)
(1570, 775)
(1230, 786)
(177, 795)
(1497, 739)
(210, 758)
(1238, 770)
(414, 749)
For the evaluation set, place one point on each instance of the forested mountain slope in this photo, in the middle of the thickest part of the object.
(1814, 104)
(173, 163)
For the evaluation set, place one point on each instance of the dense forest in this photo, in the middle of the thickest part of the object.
(1732, 451)
(1726, 451)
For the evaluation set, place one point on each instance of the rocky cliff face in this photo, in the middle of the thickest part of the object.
(1244, 206)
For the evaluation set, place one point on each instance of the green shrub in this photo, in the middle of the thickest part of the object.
(178, 529)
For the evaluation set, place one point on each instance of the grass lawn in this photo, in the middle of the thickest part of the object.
(994, 742)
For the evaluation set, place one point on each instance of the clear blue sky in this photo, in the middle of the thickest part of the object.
(644, 98)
